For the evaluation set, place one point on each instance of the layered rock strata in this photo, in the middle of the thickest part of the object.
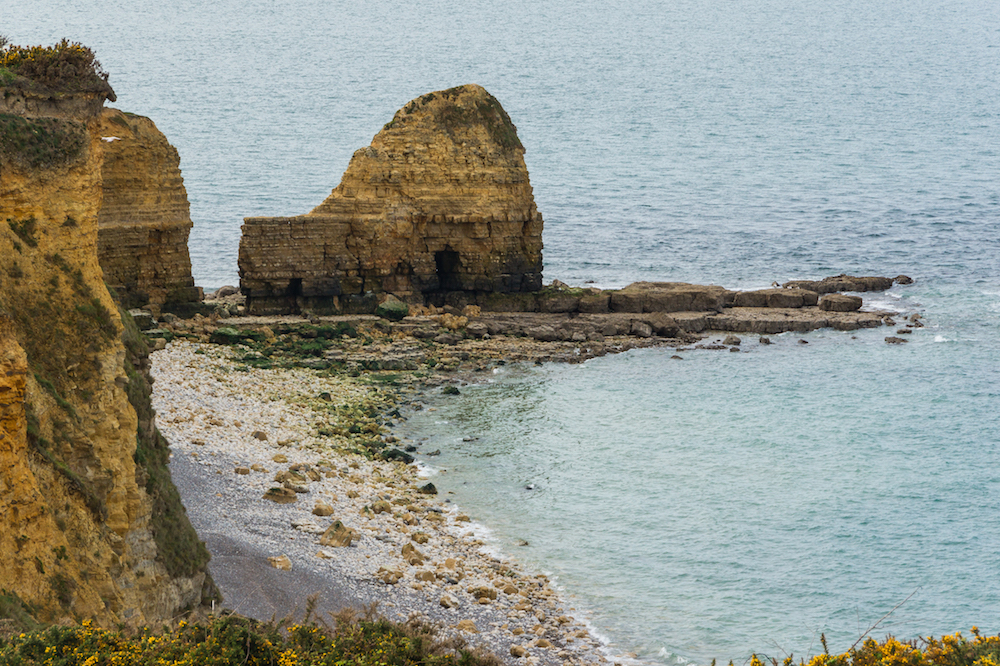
(145, 220)
(439, 202)
(88, 527)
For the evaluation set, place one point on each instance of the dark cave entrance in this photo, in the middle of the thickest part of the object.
(448, 262)
(294, 287)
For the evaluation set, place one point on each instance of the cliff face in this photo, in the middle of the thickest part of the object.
(82, 528)
(439, 202)
(144, 221)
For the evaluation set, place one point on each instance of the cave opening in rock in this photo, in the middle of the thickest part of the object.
(295, 287)
(448, 262)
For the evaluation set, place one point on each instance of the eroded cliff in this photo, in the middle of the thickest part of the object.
(88, 527)
(439, 202)
(145, 218)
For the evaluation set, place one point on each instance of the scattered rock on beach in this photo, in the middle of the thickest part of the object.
(338, 535)
(428, 489)
(280, 495)
(280, 562)
(893, 340)
(322, 509)
(467, 626)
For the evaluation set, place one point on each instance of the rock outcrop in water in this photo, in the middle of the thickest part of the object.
(144, 221)
(439, 202)
(90, 524)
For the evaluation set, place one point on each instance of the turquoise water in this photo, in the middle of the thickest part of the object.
(726, 502)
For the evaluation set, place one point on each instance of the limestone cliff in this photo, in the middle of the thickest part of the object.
(88, 527)
(144, 221)
(439, 202)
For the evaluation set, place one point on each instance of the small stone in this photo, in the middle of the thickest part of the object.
(732, 340)
(242, 470)
(467, 626)
(448, 601)
(322, 509)
(517, 631)
(338, 535)
(764, 340)
(892, 340)
(261, 435)
(258, 468)
(420, 537)
(543, 643)
(426, 576)
(280, 458)
(483, 601)
(462, 518)
(904, 331)
(324, 555)
(381, 506)
(517, 651)
(510, 589)
(428, 489)
(280, 562)
(280, 495)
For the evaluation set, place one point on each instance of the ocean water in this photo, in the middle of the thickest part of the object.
(698, 508)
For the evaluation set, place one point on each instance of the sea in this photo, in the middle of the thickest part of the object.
(718, 504)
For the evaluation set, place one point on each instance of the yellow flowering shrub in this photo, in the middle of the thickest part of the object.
(235, 641)
(951, 650)
(65, 67)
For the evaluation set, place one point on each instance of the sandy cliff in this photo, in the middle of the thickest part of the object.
(145, 219)
(439, 202)
(88, 527)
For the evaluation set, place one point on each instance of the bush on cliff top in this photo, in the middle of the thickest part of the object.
(67, 67)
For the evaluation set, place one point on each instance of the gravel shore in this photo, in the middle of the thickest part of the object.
(236, 434)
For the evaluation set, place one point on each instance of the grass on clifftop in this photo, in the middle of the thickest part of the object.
(40, 143)
(236, 641)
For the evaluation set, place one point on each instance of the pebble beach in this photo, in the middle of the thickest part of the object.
(291, 511)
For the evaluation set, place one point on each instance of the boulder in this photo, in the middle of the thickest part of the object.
(599, 303)
(669, 297)
(842, 282)
(775, 298)
(280, 562)
(468, 626)
(322, 509)
(338, 535)
(641, 329)
(840, 303)
(392, 309)
(280, 495)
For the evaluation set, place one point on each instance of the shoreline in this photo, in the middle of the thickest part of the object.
(226, 428)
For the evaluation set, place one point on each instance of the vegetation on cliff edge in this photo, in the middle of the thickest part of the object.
(179, 548)
(66, 67)
(236, 641)
(40, 143)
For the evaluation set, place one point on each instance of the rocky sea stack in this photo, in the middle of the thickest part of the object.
(439, 203)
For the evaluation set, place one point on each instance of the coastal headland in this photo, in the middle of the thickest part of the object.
(277, 400)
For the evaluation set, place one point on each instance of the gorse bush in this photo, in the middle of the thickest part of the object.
(65, 67)
(235, 641)
(952, 650)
